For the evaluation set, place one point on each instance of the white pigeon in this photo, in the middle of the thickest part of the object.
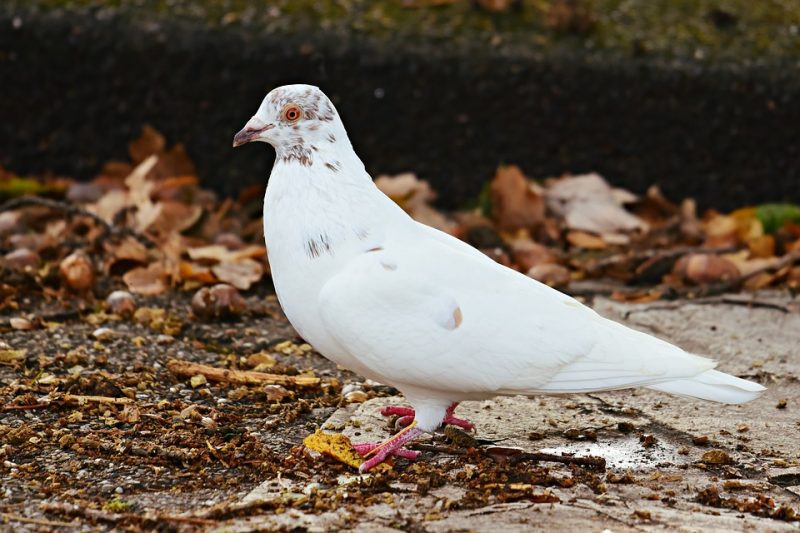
(410, 306)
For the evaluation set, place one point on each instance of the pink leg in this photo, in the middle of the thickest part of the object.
(391, 446)
(453, 421)
(365, 448)
(407, 416)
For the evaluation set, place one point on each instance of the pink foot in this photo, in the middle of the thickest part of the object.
(407, 414)
(391, 446)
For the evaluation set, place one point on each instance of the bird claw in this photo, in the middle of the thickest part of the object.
(405, 453)
(407, 414)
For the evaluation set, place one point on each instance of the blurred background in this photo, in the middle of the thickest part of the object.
(697, 96)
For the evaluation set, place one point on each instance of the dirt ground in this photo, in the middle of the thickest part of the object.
(98, 433)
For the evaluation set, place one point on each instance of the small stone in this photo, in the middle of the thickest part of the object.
(572, 433)
(219, 301)
(717, 457)
(198, 381)
(121, 303)
(104, 334)
(701, 440)
(276, 393)
(625, 427)
(781, 404)
(357, 396)
(20, 324)
(165, 339)
(647, 440)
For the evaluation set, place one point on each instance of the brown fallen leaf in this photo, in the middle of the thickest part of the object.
(551, 274)
(149, 281)
(220, 254)
(130, 414)
(150, 142)
(193, 272)
(528, 254)
(77, 271)
(516, 202)
(173, 217)
(241, 274)
(414, 196)
(588, 241)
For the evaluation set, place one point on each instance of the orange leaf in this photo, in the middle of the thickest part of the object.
(581, 239)
(334, 445)
(516, 203)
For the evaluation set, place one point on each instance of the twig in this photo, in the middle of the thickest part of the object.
(74, 210)
(722, 287)
(104, 516)
(69, 509)
(656, 255)
(82, 400)
(710, 301)
(238, 377)
(216, 454)
(30, 407)
(156, 451)
(597, 463)
(37, 521)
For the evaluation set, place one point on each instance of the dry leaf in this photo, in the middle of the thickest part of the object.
(149, 281)
(194, 272)
(414, 196)
(581, 239)
(8, 356)
(516, 203)
(589, 203)
(334, 445)
(550, 274)
(241, 274)
(130, 414)
(76, 271)
(220, 254)
(173, 216)
(528, 254)
(150, 142)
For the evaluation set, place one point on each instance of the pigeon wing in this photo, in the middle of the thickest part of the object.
(430, 311)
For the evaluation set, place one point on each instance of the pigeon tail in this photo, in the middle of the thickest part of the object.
(713, 385)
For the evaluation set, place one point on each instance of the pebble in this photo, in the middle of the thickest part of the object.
(121, 303)
(104, 334)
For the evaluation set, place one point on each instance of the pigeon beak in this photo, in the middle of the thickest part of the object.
(251, 132)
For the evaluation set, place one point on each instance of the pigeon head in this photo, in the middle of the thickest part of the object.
(296, 120)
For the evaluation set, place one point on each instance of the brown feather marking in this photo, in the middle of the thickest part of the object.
(458, 318)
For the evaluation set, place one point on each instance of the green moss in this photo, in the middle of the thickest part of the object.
(116, 505)
(693, 29)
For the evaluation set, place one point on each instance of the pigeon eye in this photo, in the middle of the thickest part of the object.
(292, 113)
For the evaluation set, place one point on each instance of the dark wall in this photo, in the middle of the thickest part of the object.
(75, 90)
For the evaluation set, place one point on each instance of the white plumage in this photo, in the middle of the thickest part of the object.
(415, 308)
